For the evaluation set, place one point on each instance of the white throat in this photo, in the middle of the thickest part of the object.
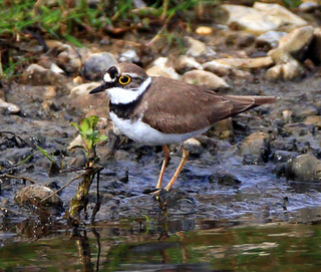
(124, 96)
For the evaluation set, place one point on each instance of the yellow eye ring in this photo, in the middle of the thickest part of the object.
(124, 80)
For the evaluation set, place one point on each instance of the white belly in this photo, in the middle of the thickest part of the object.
(143, 133)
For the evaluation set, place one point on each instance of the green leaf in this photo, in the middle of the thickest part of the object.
(45, 153)
(84, 125)
(93, 120)
(103, 138)
(75, 125)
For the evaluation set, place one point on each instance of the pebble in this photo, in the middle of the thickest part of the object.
(203, 30)
(185, 63)
(129, 56)
(162, 67)
(304, 168)
(206, 78)
(197, 48)
(96, 64)
(270, 38)
(9, 107)
(255, 147)
(33, 194)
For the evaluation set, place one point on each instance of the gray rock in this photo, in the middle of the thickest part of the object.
(308, 6)
(96, 65)
(283, 156)
(270, 38)
(228, 179)
(240, 39)
(304, 168)
(80, 98)
(255, 148)
(193, 146)
(129, 56)
(38, 75)
(33, 194)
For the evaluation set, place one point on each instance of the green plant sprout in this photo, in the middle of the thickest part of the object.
(89, 134)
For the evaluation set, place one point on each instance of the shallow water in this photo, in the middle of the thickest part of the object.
(147, 246)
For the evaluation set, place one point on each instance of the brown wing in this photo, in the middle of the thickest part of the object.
(184, 107)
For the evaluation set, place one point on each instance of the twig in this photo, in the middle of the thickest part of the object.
(63, 187)
(97, 205)
(15, 177)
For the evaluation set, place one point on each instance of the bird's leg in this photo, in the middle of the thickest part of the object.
(179, 169)
(165, 161)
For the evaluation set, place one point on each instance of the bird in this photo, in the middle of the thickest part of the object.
(159, 111)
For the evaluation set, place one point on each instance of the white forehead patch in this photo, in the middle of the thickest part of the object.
(107, 78)
(120, 95)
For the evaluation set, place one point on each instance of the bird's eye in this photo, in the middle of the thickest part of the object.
(124, 80)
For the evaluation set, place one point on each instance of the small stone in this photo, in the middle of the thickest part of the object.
(240, 39)
(33, 194)
(129, 56)
(48, 106)
(197, 48)
(308, 6)
(162, 67)
(228, 179)
(80, 98)
(248, 63)
(208, 79)
(217, 68)
(257, 146)
(242, 75)
(96, 65)
(283, 156)
(304, 168)
(193, 146)
(270, 38)
(313, 120)
(203, 30)
(38, 75)
(296, 40)
(56, 69)
(287, 114)
(290, 70)
(50, 92)
(222, 129)
(78, 80)
(185, 63)
(9, 107)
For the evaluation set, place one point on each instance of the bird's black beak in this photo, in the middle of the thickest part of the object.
(102, 87)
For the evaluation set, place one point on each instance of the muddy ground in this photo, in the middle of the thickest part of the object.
(258, 192)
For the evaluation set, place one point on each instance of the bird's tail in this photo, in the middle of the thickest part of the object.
(245, 103)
